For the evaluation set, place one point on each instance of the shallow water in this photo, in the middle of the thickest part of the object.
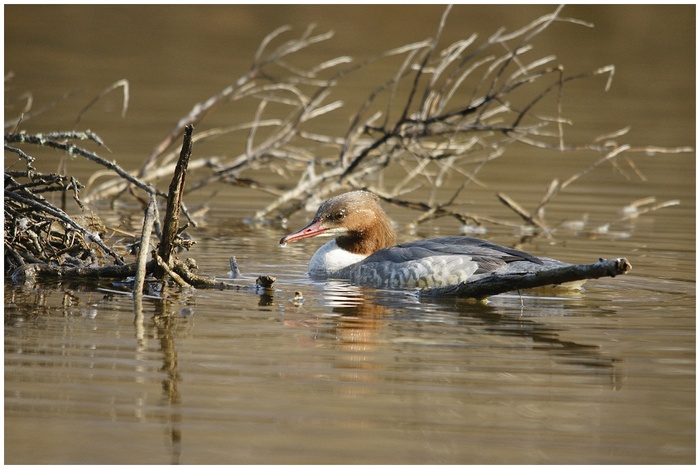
(353, 375)
(604, 376)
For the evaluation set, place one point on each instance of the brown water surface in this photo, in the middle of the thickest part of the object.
(354, 375)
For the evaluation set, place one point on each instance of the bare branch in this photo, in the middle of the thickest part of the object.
(123, 84)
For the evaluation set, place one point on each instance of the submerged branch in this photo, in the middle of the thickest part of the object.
(32, 271)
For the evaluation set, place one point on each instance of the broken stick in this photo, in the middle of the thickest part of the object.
(172, 212)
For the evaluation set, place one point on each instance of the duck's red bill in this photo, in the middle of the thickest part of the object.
(309, 231)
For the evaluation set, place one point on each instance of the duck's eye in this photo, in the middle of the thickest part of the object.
(339, 215)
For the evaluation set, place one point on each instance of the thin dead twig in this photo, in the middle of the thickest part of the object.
(123, 84)
(144, 248)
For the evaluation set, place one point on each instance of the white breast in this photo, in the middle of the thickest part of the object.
(330, 258)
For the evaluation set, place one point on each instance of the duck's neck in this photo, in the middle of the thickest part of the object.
(378, 235)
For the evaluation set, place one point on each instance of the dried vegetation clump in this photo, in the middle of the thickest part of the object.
(447, 111)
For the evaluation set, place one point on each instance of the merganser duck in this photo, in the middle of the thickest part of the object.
(364, 253)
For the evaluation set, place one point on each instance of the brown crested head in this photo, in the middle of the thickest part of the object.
(356, 219)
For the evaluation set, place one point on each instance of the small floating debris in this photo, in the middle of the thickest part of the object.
(576, 225)
(472, 229)
(235, 271)
(90, 313)
(265, 281)
(642, 206)
(298, 299)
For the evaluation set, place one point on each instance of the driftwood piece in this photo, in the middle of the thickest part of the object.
(30, 271)
(501, 283)
(169, 272)
(265, 281)
(172, 212)
(184, 270)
